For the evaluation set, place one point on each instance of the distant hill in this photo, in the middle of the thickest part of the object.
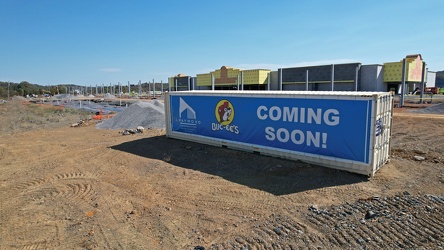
(440, 79)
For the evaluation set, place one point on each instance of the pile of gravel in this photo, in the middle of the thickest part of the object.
(109, 96)
(17, 98)
(88, 106)
(62, 96)
(148, 114)
(435, 109)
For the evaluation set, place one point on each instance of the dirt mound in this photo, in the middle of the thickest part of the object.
(148, 114)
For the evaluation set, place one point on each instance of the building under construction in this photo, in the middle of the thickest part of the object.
(335, 77)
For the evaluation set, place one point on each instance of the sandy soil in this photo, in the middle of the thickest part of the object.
(84, 188)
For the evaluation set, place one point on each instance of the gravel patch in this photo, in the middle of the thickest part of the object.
(400, 222)
(435, 109)
(109, 96)
(148, 114)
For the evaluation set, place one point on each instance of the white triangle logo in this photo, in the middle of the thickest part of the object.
(184, 107)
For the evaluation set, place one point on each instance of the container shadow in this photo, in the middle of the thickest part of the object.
(273, 175)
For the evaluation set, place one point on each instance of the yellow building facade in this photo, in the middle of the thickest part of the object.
(179, 82)
(393, 70)
(228, 76)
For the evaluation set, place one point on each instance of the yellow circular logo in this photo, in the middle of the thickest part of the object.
(224, 112)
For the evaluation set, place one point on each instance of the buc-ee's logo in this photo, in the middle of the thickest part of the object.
(224, 114)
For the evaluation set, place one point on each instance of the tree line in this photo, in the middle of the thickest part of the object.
(25, 88)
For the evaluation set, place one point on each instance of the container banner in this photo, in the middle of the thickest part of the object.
(328, 127)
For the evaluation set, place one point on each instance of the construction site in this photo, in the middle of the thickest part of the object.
(72, 178)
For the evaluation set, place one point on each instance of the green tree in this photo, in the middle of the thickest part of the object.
(54, 90)
(25, 88)
(3, 92)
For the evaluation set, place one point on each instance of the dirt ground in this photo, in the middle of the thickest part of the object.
(65, 187)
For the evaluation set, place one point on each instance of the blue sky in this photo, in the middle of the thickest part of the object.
(89, 42)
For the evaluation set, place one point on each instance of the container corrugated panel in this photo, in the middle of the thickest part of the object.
(343, 130)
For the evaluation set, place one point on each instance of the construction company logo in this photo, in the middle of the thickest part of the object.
(187, 117)
(185, 110)
(224, 113)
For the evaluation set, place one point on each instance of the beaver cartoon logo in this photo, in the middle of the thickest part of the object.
(224, 112)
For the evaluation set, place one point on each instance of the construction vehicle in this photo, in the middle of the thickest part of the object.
(433, 90)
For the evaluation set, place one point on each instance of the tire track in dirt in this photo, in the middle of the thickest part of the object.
(107, 239)
(127, 205)
(187, 221)
(230, 200)
(77, 193)
(42, 188)
(233, 212)
(75, 188)
(118, 213)
(71, 189)
(279, 232)
(58, 240)
(190, 221)
(398, 222)
(222, 197)
(394, 222)
(34, 246)
(49, 180)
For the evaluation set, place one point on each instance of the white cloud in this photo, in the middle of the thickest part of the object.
(110, 70)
